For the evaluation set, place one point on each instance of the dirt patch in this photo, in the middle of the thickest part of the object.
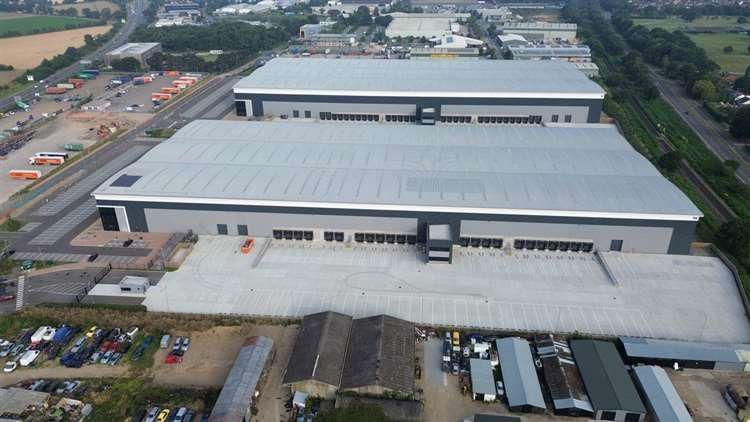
(701, 390)
(92, 5)
(28, 51)
(7, 76)
(212, 353)
(60, 372)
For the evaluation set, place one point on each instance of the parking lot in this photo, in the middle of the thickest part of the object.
(515, 291)
(136, 98)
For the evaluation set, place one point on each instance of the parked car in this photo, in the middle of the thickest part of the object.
(93, 257)
(185, 344)
(177, 345)
(132, 331)
(153, 412)
(10, 366)
(163, 415)
(78, 344)
(114, 359)
(105, 357)
(95, 357)
(164, 343)
(180, 415)
(90, 333)
(29, 357)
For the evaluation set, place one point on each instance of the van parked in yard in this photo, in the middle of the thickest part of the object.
(29, 357)
(164, 343)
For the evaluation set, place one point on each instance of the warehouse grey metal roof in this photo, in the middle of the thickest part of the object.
(134, 48)
(519, 374)
(556, 26)
(320, 349)
(643, 348)
(550, 50)
(561, 375)
(380, 353)
(407, 78)
(603, 372)
(239, 388)
(569, 170)
(663, 400)
(482, 380)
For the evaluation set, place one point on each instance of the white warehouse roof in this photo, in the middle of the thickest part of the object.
(567, 170)
(419, 78)
(134, 48)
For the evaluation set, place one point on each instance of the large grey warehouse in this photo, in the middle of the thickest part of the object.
(559, 187)
(416, 91)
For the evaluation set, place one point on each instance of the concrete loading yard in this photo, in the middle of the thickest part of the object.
(522, 291)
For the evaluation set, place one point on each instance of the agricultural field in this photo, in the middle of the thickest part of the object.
(713, 43)
(34, 24)
(28, 51)
(91, 5)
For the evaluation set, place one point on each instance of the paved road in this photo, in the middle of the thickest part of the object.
(69, 211)
(711, 132)
(135, 17)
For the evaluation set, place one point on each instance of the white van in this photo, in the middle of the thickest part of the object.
(28, 357)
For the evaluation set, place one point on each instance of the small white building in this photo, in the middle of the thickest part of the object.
(133, 284)
(455, 41)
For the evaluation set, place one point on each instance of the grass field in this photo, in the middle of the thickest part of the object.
(28, 24)
(712, 43)
(91, 5)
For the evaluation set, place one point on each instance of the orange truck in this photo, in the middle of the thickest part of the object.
(160, 96)
(38, 161)
(188, 78)
(172, 73)
(170, 90)
(181, 84)
(247, 246)
(25, 174)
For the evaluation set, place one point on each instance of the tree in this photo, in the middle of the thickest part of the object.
(670, 161)
(704, 90)
(732, 165)
(742, 19)
(355, 412)
(728, 49)
(734, 237)
(128, 64)
(740, 125)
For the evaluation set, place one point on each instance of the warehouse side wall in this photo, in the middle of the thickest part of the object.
(581, 110)
(647, 236)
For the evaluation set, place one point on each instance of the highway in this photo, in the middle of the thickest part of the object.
(135, 18)
(713, 134)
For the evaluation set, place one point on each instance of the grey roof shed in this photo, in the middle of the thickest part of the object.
(519, 374)
(381, 353)
(662, 398)
(722, 355)
(603, 372)
(236, 396)
(482, 380)
(320, 349)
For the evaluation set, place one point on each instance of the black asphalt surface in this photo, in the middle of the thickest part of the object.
(171, 116)
(135, 17)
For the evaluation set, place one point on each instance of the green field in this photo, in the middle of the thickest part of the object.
(712, 43)
(36, 24)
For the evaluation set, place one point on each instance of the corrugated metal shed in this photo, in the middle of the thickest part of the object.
(587, 169)
(416, 77)
(561, 374)
(607, 382)
(236, 396)
(519, 373)
(482, 380)
(662, 398)
(719, 355)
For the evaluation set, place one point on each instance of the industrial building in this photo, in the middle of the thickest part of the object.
(664, 404)
(307, 30)
(611, 390)
(506, 40)
(568, 52)
(520, 381)
(427, 25)
(579, 188)
(562, 377)
(138, 51)
(419, 91)
(500, 14)
(317, 359)
(542, 31)
(589, 69)
(235, 402)
(333, 352)
(332, 41)
(702, 355)
(444, 53)
(482, 381)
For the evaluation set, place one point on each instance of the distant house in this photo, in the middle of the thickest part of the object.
(610, 389)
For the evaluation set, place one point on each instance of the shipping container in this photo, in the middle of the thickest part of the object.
(170, 90)
(172, 73)
(25, 174)
(179, 83)
(53, 161)
(73, 147)
(74, 80)
(160, 96)
(84, 76)
(55, 90)
(188, 78)
(66, 86)
(63, 155)
(138, 81)
(91, 71)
